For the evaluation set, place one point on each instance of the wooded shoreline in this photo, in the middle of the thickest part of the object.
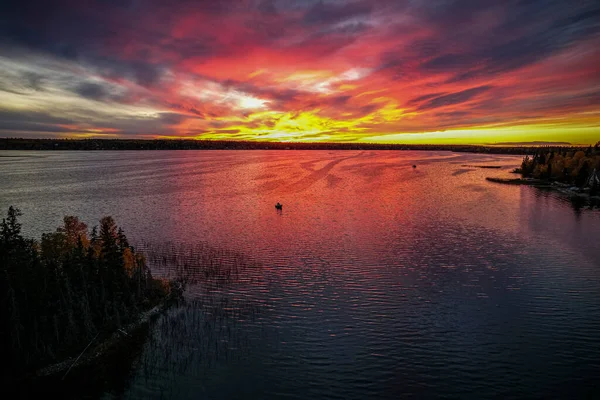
(191, 144)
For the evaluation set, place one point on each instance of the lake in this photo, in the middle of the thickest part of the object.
(376, 280)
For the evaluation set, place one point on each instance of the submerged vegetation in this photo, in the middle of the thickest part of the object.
(59, 293)
(578, 168)
(199, 263)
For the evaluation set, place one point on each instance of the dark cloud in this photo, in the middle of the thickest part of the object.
(267, 7)
(22, 83)
(327, 13)
(521, 32)
(198, 46)
(453, 114)
(93, 34)
(40, 122)
(100, 91)
(368, 109)
(143, 73)
(186, 109)
(453, 98)
(33, 81)
(93, 91)
(481, 39)
(425, 48)
(424, 97)
(526, 33)
(448, 62)
(170, 118)
(162, 124)
(339, 100)
(451, 14)
(31, 121)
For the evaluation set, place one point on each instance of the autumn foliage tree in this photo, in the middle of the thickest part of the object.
(573, 167)
(57, 294)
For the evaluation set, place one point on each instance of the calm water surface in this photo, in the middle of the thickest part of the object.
(377, 280)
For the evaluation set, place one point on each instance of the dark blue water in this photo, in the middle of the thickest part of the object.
(377, 280)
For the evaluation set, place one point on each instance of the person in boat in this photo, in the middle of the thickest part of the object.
(278, 206)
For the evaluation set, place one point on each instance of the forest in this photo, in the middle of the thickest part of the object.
(58, 293)
(194, 144)
(572, 167)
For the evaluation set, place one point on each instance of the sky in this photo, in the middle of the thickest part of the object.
(380, 71)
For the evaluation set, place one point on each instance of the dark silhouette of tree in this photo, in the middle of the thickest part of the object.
(582, 175)
(57, 294)
(189, 144)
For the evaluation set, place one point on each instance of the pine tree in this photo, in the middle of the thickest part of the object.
(56, 295)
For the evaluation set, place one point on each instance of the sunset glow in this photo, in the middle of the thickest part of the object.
(381, 71)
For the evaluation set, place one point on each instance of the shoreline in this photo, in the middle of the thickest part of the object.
(188, 144)
(111, 341)
(100, 349)
(545, 184)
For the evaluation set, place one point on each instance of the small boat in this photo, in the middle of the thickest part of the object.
(279, 206)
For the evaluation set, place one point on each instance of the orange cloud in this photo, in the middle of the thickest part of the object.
(247, 70)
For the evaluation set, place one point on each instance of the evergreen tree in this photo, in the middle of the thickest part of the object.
(56, 295)
(582, 175)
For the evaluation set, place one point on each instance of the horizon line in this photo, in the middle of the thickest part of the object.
(295, 143)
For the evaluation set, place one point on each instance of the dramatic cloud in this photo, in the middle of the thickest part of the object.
(452, 98)
(334, 70)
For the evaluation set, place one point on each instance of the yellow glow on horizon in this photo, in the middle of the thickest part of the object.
(313, 126)
(577, 134)
(91, 135)
(320, 125)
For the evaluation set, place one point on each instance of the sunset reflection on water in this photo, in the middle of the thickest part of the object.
(376, 279)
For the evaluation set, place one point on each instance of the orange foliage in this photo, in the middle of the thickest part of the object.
(74, 230)
(129, 261)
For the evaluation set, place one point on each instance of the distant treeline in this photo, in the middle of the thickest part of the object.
(59, 293)
(187, 144)
(569, 166)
